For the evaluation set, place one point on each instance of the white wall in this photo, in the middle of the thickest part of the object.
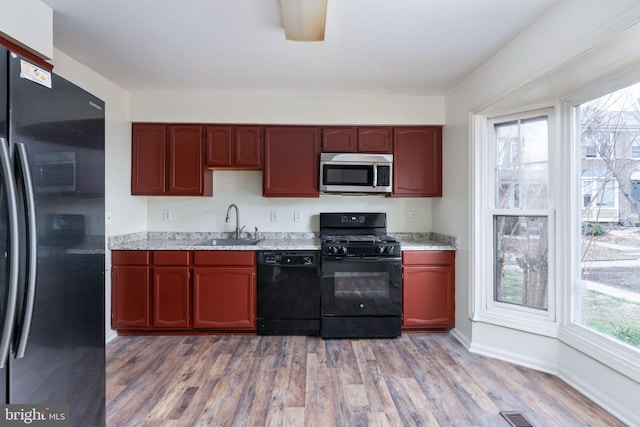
(245, 187)
(29, 23)
(547, 62)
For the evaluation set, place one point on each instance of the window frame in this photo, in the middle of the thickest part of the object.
(484, 307)
(617, 355)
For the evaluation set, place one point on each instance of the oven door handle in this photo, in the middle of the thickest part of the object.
(386, 260)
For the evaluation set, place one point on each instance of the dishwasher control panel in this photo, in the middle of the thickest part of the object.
(304, 259)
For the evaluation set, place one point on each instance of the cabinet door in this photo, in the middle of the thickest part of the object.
(224, 298)
(417, 162)
(428, 297)
(248, 147)
(148, 159)
(291, 156)
(130, 297)
(186, 161)
(171, 306)
(339, 140)
(374, 140)
(219, 140)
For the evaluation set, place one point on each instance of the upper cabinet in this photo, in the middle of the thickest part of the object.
(235, 147)
(176, 159)
(148, 159)
(417, 161)
(375, 140)
(344, 139)
(169, 160)
(291, 161)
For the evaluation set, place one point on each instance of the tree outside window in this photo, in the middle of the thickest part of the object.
(608, 300)
(521, 240)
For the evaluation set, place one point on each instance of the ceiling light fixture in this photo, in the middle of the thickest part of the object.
(304, 20)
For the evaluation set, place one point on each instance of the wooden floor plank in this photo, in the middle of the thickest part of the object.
(416, 379)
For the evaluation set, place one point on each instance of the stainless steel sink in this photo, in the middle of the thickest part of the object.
(229, 242)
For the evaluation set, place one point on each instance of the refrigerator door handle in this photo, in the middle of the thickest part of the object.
(13, 251)
(32, 249)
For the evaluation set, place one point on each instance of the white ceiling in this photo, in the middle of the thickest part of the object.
(396, 47)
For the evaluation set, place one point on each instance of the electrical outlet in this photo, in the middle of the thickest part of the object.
(297, 216)
(107, 218)
(274, 216)
(413, 216)
(166, 215)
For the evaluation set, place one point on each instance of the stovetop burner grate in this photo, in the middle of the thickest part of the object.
(369, 238)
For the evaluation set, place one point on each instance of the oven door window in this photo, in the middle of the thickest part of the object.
(361, 287)
(357, 175)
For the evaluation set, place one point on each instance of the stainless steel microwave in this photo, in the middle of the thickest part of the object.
(356, 173)
(55, 172)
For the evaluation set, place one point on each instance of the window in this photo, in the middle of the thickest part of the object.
(519, 222)
(607, 298)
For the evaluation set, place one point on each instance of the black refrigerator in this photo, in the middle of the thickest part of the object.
(52, 349)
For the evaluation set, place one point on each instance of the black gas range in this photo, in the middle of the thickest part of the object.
(361, 277)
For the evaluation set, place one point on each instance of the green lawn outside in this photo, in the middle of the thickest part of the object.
(604, 313)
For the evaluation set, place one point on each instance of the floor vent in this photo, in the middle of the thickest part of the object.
(515, 419)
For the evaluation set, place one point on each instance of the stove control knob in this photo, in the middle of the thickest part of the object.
(343, 250)
(381, 249)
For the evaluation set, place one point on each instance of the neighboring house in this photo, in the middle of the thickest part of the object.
(610, 166)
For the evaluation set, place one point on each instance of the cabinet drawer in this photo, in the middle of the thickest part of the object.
(130, 257)
(171, 257)
(224, 258)
(428, 257)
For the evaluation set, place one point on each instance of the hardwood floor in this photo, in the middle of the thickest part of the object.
(414, 380)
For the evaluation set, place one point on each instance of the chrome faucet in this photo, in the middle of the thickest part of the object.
(238, 229)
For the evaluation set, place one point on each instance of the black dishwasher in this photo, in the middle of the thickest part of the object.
(289, 284)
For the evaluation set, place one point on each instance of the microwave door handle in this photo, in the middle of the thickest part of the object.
(375, 175)
(32, 252)
(13, 252)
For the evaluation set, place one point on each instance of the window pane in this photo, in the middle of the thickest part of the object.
(521, 250)
(608, 298)
(521, 171)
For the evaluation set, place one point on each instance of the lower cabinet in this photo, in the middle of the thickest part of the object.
(428, 290)
(130, 290)
(224, 290)
(171, 289)
(183, 290)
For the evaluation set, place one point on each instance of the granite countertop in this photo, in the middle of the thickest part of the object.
(268, 241)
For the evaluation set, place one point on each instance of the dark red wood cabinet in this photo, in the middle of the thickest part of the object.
(224, 290)
(428, 290)
(169, 160)
(130, 290)
(156, 291)
(417, 161)
(171, 289)
(376, 139)
(237, 147)
(291, 161)
(351, 139)
(148, 159)
(339, 139)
